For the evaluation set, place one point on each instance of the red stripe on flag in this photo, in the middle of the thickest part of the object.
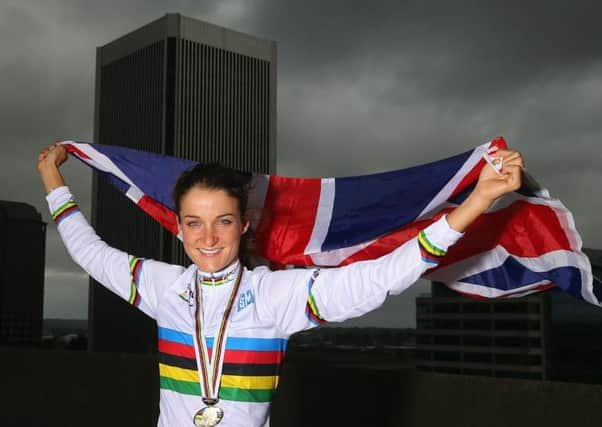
(72, 149)
(288, 218)
(390, 241)
(499, 142)
(523, 229)
(164, 216)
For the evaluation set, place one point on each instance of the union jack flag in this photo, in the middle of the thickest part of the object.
(526, 242)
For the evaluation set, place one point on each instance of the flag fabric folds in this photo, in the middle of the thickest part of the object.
(526, 242)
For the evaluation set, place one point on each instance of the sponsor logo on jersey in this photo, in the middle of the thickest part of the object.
(246, 299)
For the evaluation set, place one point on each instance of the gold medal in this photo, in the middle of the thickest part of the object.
(209, 416)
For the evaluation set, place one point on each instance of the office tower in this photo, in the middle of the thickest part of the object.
(22, 257)
(548, 336)
(181, 87)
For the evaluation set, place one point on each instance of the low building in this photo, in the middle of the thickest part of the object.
(547, 336)
(22, 258)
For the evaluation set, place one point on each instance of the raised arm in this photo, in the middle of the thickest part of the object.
(300, 299)
(50, 160)
(138, 281)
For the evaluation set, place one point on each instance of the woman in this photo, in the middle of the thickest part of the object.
(223, 328)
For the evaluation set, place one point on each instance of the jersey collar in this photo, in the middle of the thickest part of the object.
(225, 276)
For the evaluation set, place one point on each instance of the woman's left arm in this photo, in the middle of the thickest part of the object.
(361, 287)
(341, 293)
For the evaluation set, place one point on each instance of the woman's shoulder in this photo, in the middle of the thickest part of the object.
(263, 275)
(163, 270)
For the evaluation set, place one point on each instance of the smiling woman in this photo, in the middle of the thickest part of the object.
(223, 328)
(211, 226)
(210, 203)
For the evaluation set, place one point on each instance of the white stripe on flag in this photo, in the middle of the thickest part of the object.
(99, 161)
(134, 194)
(486, 292)
(337, 256)
(434, 206)
(323, 217)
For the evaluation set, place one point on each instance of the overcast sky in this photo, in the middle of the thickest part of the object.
(363, 86)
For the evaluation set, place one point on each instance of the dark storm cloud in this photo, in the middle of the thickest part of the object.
(470, 44)
(443, 65)
(409, 74)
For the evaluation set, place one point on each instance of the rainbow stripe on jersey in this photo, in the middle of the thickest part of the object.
(250, 371)
(135, 269)
(430, 253)
(311, 308)
(65, 210)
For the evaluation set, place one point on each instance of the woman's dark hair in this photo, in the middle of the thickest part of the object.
(213, 176)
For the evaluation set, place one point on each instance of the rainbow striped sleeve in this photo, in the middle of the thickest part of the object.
(430, 253)
(135, 271)
(64, 211)
(311, 308)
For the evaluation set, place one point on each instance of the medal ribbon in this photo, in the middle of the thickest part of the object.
(210, 373)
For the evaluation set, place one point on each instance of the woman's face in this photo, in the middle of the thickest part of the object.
(211, 228)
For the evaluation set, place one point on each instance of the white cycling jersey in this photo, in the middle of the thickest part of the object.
(269, 307)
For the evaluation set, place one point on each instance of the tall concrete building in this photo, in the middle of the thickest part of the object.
(181, 87)
(22, 259)
(547, 336)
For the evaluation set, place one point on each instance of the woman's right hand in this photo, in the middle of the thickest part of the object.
(49, 161)
(53, 155)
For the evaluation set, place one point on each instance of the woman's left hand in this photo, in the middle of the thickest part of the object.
(491, 184)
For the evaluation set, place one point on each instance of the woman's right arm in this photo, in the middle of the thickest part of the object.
(131, 278)
(50, 160)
